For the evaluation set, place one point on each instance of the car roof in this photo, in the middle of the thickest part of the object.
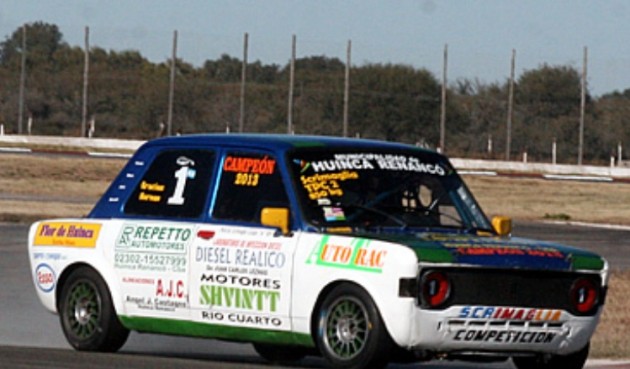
(278, 142)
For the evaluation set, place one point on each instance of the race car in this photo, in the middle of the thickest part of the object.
(361, 251)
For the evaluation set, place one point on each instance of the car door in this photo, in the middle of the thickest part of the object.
(240, 269)
(161, 217)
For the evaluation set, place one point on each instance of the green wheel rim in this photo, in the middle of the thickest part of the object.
(347, 328)
(83, 309)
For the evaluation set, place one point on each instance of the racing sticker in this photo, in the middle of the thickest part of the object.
(151, 192)
(502, 336)
(157, 248)
(230, 250)
(240, 278)
(155, 294)
(248, 170)
(67, 234)
(510, 313)
(371, 161)
(494, 251)
(327, 184)
(45, 277)
(357, 254)
(236, 299)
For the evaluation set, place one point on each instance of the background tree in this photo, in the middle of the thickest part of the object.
(396, 103)
(42, 41)
(128, 97)
(548, 103)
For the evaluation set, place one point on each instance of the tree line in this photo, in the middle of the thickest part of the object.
(128, 98)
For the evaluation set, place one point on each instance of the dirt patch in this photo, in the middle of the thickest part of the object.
(36, 187)
(537, 199)
(71, 186)
(611, 338)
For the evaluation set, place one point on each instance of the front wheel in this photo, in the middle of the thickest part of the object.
(571, 361)
(350, 331)
(87, 314)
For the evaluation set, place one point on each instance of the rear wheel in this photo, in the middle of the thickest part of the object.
(87, 314)
(350, 331)
(571, 361)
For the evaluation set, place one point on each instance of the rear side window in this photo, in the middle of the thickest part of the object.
(249, 182)
(175, 185)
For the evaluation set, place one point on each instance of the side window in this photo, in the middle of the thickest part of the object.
(249, 182)
(175, 185)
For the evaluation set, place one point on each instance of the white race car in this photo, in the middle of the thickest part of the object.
(363, 252)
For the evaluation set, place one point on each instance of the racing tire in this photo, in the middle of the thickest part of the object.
(277, 354)
(350, 331)
(87, 315)
(572, 361)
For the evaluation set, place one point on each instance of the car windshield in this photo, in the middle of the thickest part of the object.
(378, 190)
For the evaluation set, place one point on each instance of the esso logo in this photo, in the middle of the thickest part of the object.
(45, 277)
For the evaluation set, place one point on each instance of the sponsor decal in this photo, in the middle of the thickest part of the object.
(138, 280)
(239, 298)
(333, 214)
(504, 250)
(153, 248)
(169, 295)
(236, 164)
(258, 254)
(368, 161)
(155, 303)
(250, 244)
(151, 192)
(508, 313)
(356, 256)
(67, 234)
(166, 239)
(244, 281)
(498, 336)
(49, 256)
(326, 184)
(243, 292)
(248, 170)
(170, 288)
(152, 262)
(246, 232)
(45, 277)
(242, 319)
(465, 246)
(489, 251)
(206, 235)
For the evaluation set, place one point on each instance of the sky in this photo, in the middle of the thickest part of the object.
(480, 34)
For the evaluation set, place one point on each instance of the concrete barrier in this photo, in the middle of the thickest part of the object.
(541, 168)
(72, 142)
(470, 165)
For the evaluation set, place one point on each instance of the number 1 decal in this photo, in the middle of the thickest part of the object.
(178, 195)
(182, 175)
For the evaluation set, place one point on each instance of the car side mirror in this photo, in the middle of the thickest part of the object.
(502, 225)
(276, 217)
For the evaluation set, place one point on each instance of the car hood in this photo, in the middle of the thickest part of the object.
(497, 252)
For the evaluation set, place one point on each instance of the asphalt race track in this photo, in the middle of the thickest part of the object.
(30, 337)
